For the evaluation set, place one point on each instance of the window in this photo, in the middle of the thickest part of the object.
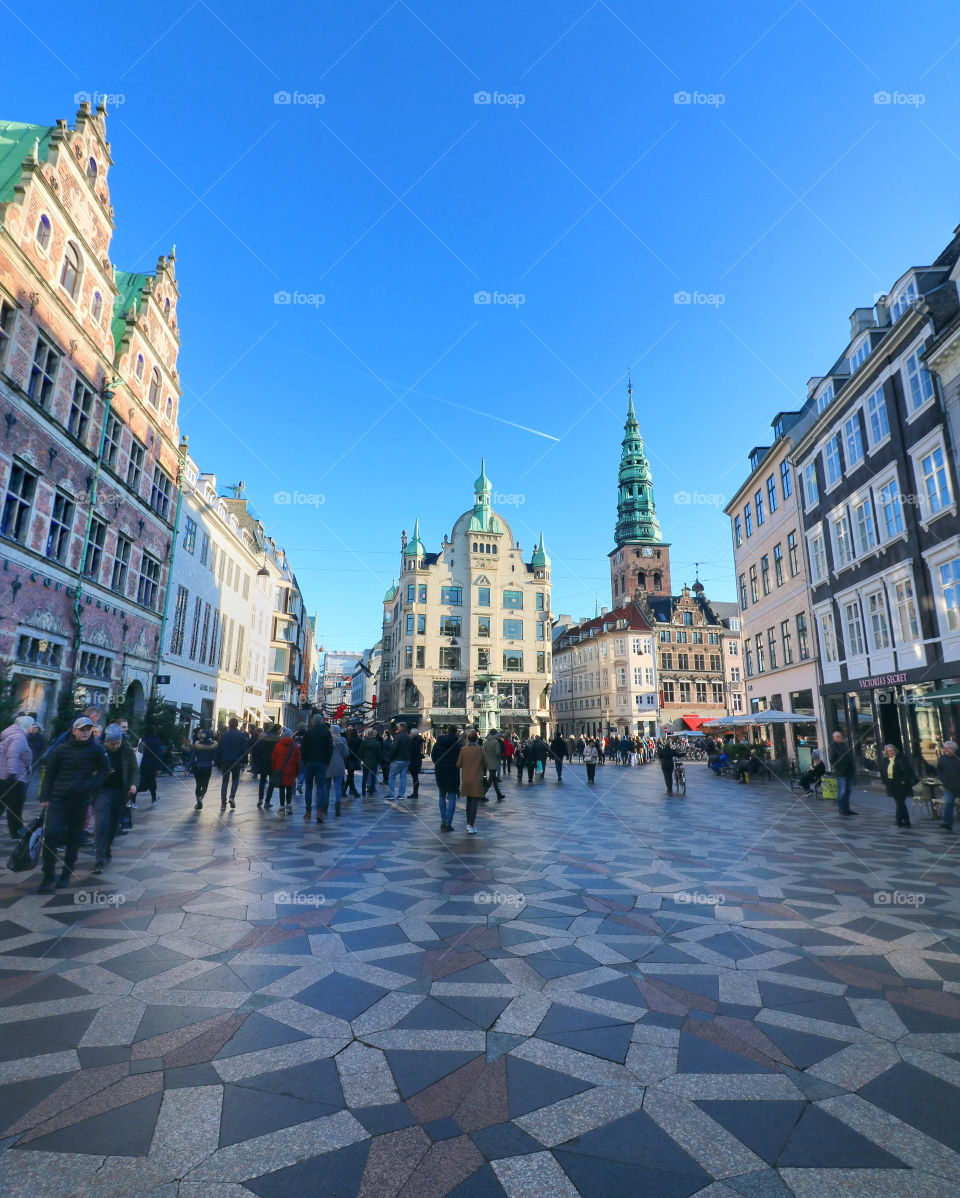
(818, 558)
(717, 693)
(760, 656)
(96, 306)
(148, 584)
(803, 645)
(203, 634)
(935, 480)
(684, 691)
(877, 618)
(715, 663)
(737, 531)
(43, 232)
(748, 659)
(681, 636)
(189, 534)
(135, 464)
(410, 623)
(238, 660)
(854, 630)
(43, 372)
(541, 663)
(61, 525)
(421, 592)
(786, 641)
(540, 605)
(778, 565)
(139, 368)
(512, 661)
(683, 661)
(771, 494)
(408, 657)
(919, 387)
(811, 491)
(666, 660)
(160, 491)
(483, 626)
(831, 458)
(451, 595)
(81, 410)
(21, 490)
(748, 520)
(483, 596)
(93, 559)
(204, 548)
(179, 621)
(902, 302)
(765, 573)
(908, 627)
(698, 661)
(825, 397)
(421, 657)
(449, 625)
(7, 317)
(449, 658)
(892, 508)
(842, 546)
(792, 554)
(866, 535)
(853, 440)
(734, 673)
(513, 630)
(91, 171)
(421, 624)
(411, 591)
(950, 582)
(828, 637)
(195, 633)
(772, 647)
(754, 590)
(758, 504)
(668, 692)
(121, 565)
(71, 270)
(153, 395)
(541, 630)
(701, 691)
(786, 481)
(877, 425)
(742, 584)
(111, 442)
(513, 599)
(860, 354)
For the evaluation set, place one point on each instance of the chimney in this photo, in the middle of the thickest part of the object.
(860, 319)
(604, 610)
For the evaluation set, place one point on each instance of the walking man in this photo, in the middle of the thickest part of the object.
(230, 758)
(75, 770)
(492, 757)
(444, 756)
(399, 763)
(841, 762)
(116, 790)
(317, 749)
(948, 771)
(558, 750)
(667, 755)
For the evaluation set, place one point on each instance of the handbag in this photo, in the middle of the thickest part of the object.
(276, 776)
(27, 849)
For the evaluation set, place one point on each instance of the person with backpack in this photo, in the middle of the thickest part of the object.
(444, 755)
(202, 758)
(535, 758)
(334, 776)
(899, 779)
(16, 765)
(75, 770)
(113, 794)
(284, 770)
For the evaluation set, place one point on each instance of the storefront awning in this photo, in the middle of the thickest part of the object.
(693, 722)
(949, 694)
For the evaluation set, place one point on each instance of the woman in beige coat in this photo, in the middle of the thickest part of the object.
(470, 765)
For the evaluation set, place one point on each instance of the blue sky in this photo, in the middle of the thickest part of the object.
(583, 189)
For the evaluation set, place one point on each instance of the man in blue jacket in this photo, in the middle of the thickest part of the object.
(231, 754)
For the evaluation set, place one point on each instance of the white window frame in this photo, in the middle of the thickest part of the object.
(863, 499)
(810, 482)
(852, 433)
(906, 376)
(871, 406)
(841, 561)
(878, 486)
(827, 635)
(859, 352)
(875, 609)
(901, 299)
(828, 484)
(848, 604)
(825, 396)
(817, 576)
(935, 559)
(929, 445)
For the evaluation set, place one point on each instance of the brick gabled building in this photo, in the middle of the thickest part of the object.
(89, 446)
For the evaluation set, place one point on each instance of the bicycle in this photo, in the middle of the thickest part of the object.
(679, 779)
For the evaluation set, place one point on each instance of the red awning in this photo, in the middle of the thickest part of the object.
(693, 722)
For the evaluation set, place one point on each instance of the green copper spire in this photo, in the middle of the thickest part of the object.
(483, 519)
(391, 592)
(415, 545)
(636, 510)
(540, 557)
(482, 485)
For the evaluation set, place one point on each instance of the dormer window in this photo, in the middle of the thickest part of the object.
(860, 354)
(825, 397)
(902, 300)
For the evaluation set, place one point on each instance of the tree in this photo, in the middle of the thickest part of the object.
(69, 706)
(160, 716)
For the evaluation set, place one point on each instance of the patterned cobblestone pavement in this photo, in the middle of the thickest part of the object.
(605, 993)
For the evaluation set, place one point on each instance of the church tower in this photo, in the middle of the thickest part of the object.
(641, 559)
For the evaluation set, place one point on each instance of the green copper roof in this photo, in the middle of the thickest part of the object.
(482, 484)
(636, 510)
(391, 592)
(415, 545)
(540, 555)
(16, 143)
(129, 294)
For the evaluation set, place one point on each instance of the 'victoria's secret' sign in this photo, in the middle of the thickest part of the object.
(866, 684)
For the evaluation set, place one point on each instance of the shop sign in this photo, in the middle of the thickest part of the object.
(865, 684)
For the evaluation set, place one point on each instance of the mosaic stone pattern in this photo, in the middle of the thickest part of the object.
(604, 993)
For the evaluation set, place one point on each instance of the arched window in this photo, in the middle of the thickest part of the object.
(494, 549)
(139, 370)
(96, 308)
(154, 395)
(71, 270)
(641, 580)
(169, 410)
(43, 232)
(657, 582)
(92, 171)
(166, 308)
(474, 546)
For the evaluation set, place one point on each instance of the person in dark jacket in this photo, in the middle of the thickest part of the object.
(521, 747)
(416, 761)
(948, 771)
(151, 746)
(75, 770)
(842, 765)
(558, 750)
(444, 756)
(492, 760)
(261, 754)
(117, 789)
(667, 755)
(399, 763)
(353, 739)
(232, 752)
(536, 753)
(371, 754)
(201, 762)
(899, 780)
(812, 776)
(316, 748)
